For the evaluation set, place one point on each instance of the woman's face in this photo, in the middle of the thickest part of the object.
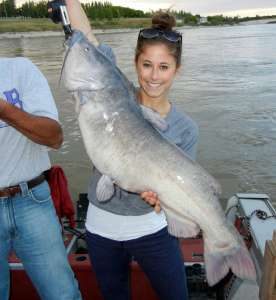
(156, 69)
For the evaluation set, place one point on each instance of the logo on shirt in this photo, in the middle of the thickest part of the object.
(13, 98)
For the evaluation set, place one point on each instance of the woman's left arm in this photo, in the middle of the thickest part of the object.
(189, 140)
(188, 144)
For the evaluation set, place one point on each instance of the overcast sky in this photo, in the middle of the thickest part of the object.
(206, 7)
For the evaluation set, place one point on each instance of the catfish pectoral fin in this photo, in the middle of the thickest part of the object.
(105, 188)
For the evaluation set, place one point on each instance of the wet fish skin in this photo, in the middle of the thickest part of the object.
(125, 147)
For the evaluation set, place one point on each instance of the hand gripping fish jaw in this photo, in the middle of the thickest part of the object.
(58, 13)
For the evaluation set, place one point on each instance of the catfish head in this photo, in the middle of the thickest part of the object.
(85, 67)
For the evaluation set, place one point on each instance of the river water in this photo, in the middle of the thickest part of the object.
(227, 84)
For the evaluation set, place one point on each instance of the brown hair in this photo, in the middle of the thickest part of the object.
(162, 21)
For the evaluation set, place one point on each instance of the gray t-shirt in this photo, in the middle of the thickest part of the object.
(182, 131)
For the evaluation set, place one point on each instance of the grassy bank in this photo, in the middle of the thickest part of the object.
(26, 25)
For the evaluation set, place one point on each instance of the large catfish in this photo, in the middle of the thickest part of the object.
(125, 147)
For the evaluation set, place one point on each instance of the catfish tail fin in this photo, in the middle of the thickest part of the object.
(219, 263)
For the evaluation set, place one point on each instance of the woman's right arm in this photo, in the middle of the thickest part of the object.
(79, 20)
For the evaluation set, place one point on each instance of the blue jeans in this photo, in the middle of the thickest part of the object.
(30, 227)
(158, 255)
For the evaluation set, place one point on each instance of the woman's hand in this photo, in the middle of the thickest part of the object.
(151, 198)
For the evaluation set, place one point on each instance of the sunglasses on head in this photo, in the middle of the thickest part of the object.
(152, 33)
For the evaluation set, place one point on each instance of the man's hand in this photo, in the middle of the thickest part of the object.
(54, 10)
(151, 198)
(58, 13)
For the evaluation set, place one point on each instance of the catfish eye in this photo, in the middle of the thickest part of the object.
(86, 49)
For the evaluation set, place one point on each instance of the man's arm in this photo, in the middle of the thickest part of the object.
(79, 20)
(41, 130)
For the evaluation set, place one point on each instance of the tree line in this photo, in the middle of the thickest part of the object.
(99, 11)
(94, 10)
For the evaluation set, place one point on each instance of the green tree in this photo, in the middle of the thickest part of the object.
(216, 20)
(8, 9)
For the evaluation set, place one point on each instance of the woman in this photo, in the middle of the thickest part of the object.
(125, 226)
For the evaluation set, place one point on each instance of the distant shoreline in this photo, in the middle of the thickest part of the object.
(18, 26)
(51, 33)
(36, 34)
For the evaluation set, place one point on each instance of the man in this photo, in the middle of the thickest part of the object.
(28, 223)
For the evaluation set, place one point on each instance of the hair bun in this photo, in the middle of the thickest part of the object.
(163, 21)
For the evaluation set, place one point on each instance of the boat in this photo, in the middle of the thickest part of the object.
(252, 214)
